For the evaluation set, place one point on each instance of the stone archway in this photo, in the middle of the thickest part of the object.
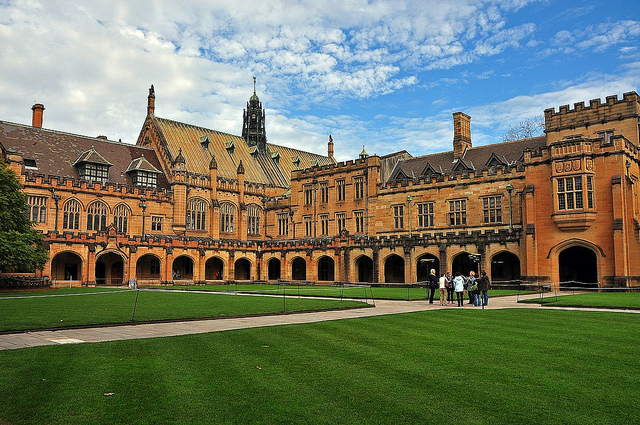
(273, 269)
(505, 267)
(578, 265)
(242, 269)
(326, 269)
(182, 268)
(463, 264)
(109, 269)
(364, 266)
(148, 268)
(66, 266)
(299, 269)
(214, 269)
(424, 265)
(394, 269)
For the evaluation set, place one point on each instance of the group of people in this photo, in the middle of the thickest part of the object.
(476, 288)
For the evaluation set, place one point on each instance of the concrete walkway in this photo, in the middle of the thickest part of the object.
(154, 330)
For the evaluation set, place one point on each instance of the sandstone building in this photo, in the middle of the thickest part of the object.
(191, 204)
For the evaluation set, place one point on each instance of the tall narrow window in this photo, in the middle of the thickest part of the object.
(358, 184)
(227, 215)
(398, 216)
(358, 216)
(97, 216)
(308, 226)
(492, 209)
(341, 221)
(38, 209)
(340, 190)
(253, 220)
(458, 212)
(590, 192)
(196, 214)
(121, 218)
(425, 214)
(324, 192)
(71, 217)
(324, 224)
(308, 194)
(283, 224)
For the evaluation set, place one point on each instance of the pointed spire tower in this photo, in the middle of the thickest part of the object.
(253, 129)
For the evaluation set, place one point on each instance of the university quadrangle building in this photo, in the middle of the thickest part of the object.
(190, 204)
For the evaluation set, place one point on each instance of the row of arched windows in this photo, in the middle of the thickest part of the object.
(197, 208)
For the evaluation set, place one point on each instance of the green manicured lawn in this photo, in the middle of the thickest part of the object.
(360, 292)
(597, 299)
(36, 311)
(441, 367)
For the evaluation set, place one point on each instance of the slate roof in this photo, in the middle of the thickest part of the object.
(198, 144)
(475, 159)
(55, 152)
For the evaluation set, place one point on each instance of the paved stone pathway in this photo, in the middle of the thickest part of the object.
(153, 330)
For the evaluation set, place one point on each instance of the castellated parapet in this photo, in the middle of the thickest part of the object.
(597, 112)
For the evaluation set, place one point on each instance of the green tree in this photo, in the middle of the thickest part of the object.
(21, 247)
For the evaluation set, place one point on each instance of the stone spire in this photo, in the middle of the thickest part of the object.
(253, 122)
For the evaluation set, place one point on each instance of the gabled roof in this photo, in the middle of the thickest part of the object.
(55, 152)
(475, 159)
(141, 164)
(92, 156)
(272, 167)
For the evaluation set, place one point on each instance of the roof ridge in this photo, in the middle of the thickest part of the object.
(84, 136)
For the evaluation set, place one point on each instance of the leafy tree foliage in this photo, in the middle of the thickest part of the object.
(525, 129)
(21, 247)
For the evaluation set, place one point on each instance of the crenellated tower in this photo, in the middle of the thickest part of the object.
(253, 122)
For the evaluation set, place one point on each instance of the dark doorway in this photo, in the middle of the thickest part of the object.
(578, 265)
(394, 269)
(182, 268)
(274, 269)
(298, 269)
(148, 268)
(242, 269)
(66, 266)
(364, 265)
(505, 267)
(326, 269)
(463, 264)
(109, 269)
(425, 263)
(214, 269)
(70, 272)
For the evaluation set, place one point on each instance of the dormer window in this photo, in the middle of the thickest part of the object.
(143, 173)
(30, 164)
(92, 166)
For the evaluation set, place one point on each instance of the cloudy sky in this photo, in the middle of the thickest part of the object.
(385, 74)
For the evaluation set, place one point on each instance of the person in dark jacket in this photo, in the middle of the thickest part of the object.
(433, 285)
(483, 285)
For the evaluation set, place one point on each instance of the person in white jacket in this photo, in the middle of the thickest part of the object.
(458, 284)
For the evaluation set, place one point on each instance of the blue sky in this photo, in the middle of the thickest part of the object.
(384, 74)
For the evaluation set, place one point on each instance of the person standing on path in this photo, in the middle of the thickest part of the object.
(450, 288)
(483, 285)
(471, 280)
(443, 289)
(433, 285)
(458, 283)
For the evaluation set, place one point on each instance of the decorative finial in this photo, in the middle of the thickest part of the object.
(152, 91)
(254, 85)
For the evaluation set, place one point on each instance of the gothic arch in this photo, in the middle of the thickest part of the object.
(326, 268)
(242, 269)
(505, 266)
(214, 268)
(394, 269)
(148, 267)
(298, 269)
(364, 268)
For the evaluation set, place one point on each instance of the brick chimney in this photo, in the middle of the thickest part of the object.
(461, 134)
(38, 111)
(330, 147)
(151, 101)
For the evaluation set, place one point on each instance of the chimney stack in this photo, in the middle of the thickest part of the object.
(38, 111)
(151, 101)
(461, 134)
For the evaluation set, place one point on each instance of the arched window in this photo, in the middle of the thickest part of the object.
(97, 216)
(196, 214)
(71, 218)
(227, 214)
(253, 220)
(121, 218)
